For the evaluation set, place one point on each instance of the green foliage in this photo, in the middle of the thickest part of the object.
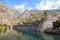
(57, 21)
(0, 25)
(44, 15)
(3, 27)
(27, 21)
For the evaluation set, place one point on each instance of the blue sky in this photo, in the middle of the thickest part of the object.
(34, 4)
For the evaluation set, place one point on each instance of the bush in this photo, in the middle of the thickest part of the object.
(3, 27)
(27, 21)
(57, 23)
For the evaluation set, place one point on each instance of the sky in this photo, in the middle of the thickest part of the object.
(34, 4)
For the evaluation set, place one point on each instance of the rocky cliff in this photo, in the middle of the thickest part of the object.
(10, 15)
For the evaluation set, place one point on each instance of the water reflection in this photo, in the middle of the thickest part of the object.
(33, 35)
(30, 35)
(16, 34)
(56, 37)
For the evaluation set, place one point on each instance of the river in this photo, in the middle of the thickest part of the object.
(26, 35)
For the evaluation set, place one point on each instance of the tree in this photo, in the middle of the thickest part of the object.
(45, 14)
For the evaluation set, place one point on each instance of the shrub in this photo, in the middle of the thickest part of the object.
(57, 23)
(3, 27)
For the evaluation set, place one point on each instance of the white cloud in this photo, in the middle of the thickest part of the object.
(21, 7)
(48, 4)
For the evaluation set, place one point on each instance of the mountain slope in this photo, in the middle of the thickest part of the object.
(10, 15)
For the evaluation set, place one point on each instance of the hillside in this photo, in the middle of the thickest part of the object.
(10, 15)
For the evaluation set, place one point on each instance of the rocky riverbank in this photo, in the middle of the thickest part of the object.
(30, 26)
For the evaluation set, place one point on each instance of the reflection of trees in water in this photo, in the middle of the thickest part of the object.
(51, 37)
(47, 36)
(26, 35)
(56, 37)
(33, 35)
(30, 35)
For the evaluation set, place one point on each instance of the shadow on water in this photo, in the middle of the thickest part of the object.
(17, 34)
(37, 35)
(33, 34)
(56, 37)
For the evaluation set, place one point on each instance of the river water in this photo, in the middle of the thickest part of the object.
(26, 35)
